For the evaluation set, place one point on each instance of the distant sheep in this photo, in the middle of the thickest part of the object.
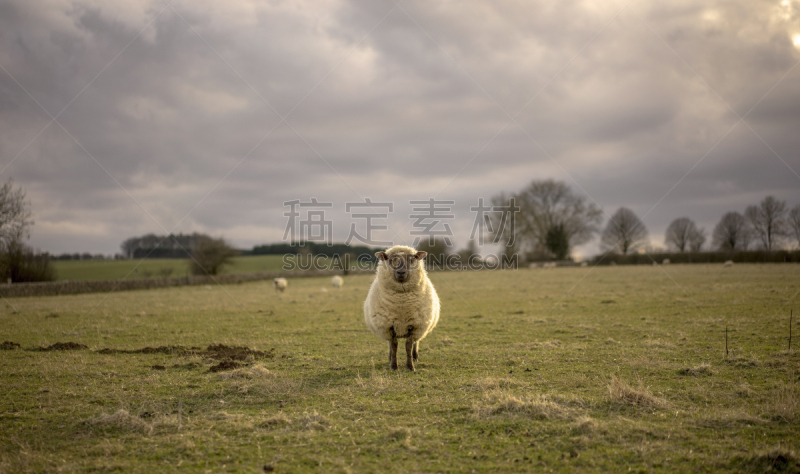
(280, 284)
(337, 281)
(665, 261)
(728, 263)
(402, 302)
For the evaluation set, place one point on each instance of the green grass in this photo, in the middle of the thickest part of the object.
(570, 369)
(119, 269)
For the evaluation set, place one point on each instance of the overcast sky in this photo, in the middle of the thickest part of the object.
(207, 116)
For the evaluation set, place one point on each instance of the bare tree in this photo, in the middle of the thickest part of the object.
(624, 231)
(469, 255)
(208, 255)
(503, 227)
(681, 233)
(794, 222)
(437, 252)
(551, 207)
(732, 232)
(697, 238)
(15, 215)
(768, 221)
(19, 262)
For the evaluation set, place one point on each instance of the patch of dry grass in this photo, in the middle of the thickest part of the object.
(403, 435)
(255, 372)
(620, 392)
(120, 420)
(279, 419)
(701, 370)
(585, 425)
(784, 403)
(546, 344)
(313, 421)
(658, 344)
(540, 407)
(730, 420)
(744, 361)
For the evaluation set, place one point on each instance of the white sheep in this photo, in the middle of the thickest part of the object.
(665, 261)
(402, 302)
(728, 263)
(280, 284)
(337, 281)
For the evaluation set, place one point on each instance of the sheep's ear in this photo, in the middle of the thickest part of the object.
(381, 255)
(420, 255)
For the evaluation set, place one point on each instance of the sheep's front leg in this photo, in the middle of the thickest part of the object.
(409, 349)
(415, 352)
(393, 353)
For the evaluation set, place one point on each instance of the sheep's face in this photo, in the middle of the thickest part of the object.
(404, 265)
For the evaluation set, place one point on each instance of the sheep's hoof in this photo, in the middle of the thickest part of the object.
(411, 368)
(393, 366)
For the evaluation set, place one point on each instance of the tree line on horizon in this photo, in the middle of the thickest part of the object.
(553, 220)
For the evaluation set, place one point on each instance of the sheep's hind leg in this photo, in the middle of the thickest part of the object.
(393, 353)
(415, 352)
(409, 349)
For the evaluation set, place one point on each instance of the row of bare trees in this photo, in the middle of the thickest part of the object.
(552, 220)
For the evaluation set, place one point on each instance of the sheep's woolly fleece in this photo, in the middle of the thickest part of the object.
(400, 306)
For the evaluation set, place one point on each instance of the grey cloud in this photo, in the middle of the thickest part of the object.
(399, 116)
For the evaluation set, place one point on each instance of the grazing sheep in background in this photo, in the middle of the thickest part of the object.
(665, 261)
(402, 302)
(337, 281)
(280, 284)
(728, 263)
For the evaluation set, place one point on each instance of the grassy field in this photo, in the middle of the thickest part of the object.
(610, 369)
(119, 269)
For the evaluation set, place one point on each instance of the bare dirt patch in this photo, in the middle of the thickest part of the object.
(221, 351)
(171, 350)
(214, 351)
(9, 346)
(63, 346)
(225, 365)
